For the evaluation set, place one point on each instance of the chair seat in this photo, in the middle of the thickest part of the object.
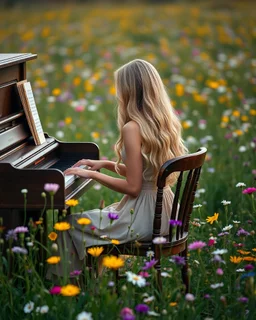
(141, 247)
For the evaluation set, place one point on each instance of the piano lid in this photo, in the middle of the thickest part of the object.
(13, 123)
(8, 59)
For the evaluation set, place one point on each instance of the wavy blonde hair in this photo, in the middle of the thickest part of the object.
(142, 98)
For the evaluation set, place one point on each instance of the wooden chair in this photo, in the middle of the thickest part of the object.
(183, 201)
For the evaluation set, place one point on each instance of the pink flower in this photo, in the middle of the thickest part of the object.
(55, 290)
(211, 242)
(75, 273)
(144, 274)
(219, 272)
(196, 245)
(79, 108)
(52, 188)
(249, 190)
(21, 229)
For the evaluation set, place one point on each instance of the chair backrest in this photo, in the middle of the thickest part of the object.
(184, 193)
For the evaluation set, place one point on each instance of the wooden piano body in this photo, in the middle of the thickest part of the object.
(24, 165)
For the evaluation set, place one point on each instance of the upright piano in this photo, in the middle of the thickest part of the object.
(25, 165)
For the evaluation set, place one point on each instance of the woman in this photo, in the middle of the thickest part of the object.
(150, 134)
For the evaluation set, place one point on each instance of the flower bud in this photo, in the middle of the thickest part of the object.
(54, 247)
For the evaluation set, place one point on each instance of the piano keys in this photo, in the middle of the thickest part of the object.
(24, 165)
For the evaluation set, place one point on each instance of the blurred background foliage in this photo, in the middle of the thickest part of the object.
(204, 51)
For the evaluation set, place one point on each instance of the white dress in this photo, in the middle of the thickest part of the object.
(127, 227)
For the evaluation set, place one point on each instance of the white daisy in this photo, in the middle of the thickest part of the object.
(230, 226)
(135, 279)
(220, 251)
(84, 316)
(29, 307)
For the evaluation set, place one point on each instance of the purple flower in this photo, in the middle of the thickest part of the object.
(242, 232)
(127, 314)
(175, 223)
(196, 245)
(142, 308)
(248, 267)
(243, 299)
(113, 216)
(21, 229)
(179, 261)
(207, 296)
(219, 272)
(75, 273)
(52, 188)
(149, 264)
(223, 234)
(11, 235)
(19, 250)
(249, 190)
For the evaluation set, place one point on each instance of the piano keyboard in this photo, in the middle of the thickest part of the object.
(71, 178)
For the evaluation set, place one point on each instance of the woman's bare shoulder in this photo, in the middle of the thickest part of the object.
(131, 126)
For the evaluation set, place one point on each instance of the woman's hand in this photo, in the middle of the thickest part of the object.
(83, 173)
(92, 164)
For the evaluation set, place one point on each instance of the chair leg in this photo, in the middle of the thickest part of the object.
(184, 269)
(158, 276)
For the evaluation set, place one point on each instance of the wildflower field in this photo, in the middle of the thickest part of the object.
(205, 53)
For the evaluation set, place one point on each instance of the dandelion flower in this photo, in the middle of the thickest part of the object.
(70, 290)
(113, 262)
(212, 218)
(53, 260)
(95, 251)
(83, 221)
(62, 226)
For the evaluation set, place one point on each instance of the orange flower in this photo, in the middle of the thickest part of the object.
(52, 236)
(243, 252)
(62, 226)
(70, 290)
(235, 259)
(83, 221)
(115, 241)
(53, 260)
(249, 259)
(95, 251)
(72, 202)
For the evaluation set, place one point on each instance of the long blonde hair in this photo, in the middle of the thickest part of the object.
(142, 98)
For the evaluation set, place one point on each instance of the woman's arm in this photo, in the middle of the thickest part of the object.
(133, 165)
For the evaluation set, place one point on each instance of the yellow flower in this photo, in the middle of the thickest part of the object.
(72, 202)
(68, 120)
(95, 135)
(112, 90)
(62, 226)
(115, 241)
(38, 222)
(212, 218)
(113, 262)
(70, 290)
(52, 236)
(173, 304)
(83, 221)
(238, 132)
(235, 259)
(53, 260)
(253, 112)
(76, 81)
(236, 113)
(179, 90)
(95, 251)
(68, 68)
(245, 118)
(225, 119)
(254, 249)
(56, 92)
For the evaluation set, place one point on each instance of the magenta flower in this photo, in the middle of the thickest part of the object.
(52, 188)
(144, 274)
(127, 314)
(249, 190)
(75, 273)
(175, 223)
(248, 267)
(55, 290)
(21, 229)
(196, 245)
(113, 216)
(20, 250)
(243, 299)
(142, 308)
(149, 264)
